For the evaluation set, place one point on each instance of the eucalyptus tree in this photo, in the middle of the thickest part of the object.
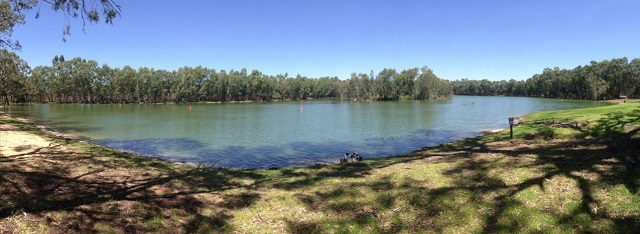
(40, 84)
(353, 89)
(82, 74)
(234, 86)
(252, 84)
(167, 81)
(218, 87)
(633, 91)
(59, 84)
(13, 12)
(366, 86)
(283, 88)
(406, 80)
(104, 87)
(385, 86)
(10, 18)
(207, 89)
(326, 87)
(189, 81)
(269, 84)
(617, 75)
(301, 87)
(13, 71)
(262, 86)
(148, 85)
(124, 84)
(360, 87)
(343, 90)
(607, 79)
(427, 85)
(421, 88)
(221, 87)
(82, 80)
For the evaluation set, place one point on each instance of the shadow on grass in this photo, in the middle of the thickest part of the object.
(579, 185)
(105, 190)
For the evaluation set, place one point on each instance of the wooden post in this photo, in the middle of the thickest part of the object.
(511, 127)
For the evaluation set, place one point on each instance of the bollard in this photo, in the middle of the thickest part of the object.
(511, 127)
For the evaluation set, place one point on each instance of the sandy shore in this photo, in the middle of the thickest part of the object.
(14, 142)
(52, 185)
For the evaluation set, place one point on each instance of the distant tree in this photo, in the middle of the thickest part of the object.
(39, 86)
(429, 86)
(12, 13)
(608, 79)
(633, 89)
(82, 80)
(13, 71)
(424, 84)
(406, 80)
(597, 87)
(385, 85)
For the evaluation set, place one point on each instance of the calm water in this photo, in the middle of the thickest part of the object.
(264, 135)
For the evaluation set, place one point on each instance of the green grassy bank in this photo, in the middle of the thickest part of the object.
(564, 172)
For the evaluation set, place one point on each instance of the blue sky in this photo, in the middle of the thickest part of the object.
(482, 39)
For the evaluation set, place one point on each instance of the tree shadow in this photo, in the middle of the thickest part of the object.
(472, 186)
(99, 189)
(577, 170)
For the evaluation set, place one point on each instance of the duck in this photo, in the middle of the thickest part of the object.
(358, 157)
(344, 159)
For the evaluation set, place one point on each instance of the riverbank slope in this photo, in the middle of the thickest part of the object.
(565, 171)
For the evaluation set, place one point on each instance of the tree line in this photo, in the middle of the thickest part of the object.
(83, 81)
(608, 79)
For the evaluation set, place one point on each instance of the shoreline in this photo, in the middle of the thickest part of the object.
(67, 136)
(184, 103)
(49, 131)
(482, 184)
(611, 101)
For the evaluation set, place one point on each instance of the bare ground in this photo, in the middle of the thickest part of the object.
(56, 185)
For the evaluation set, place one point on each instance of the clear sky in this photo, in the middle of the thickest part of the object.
(475, 39)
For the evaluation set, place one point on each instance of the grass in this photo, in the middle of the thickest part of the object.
(563, 173)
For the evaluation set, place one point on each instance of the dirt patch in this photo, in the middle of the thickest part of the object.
(51, 184)
(14, 142)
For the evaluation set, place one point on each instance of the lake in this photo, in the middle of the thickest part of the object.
(281, 134)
